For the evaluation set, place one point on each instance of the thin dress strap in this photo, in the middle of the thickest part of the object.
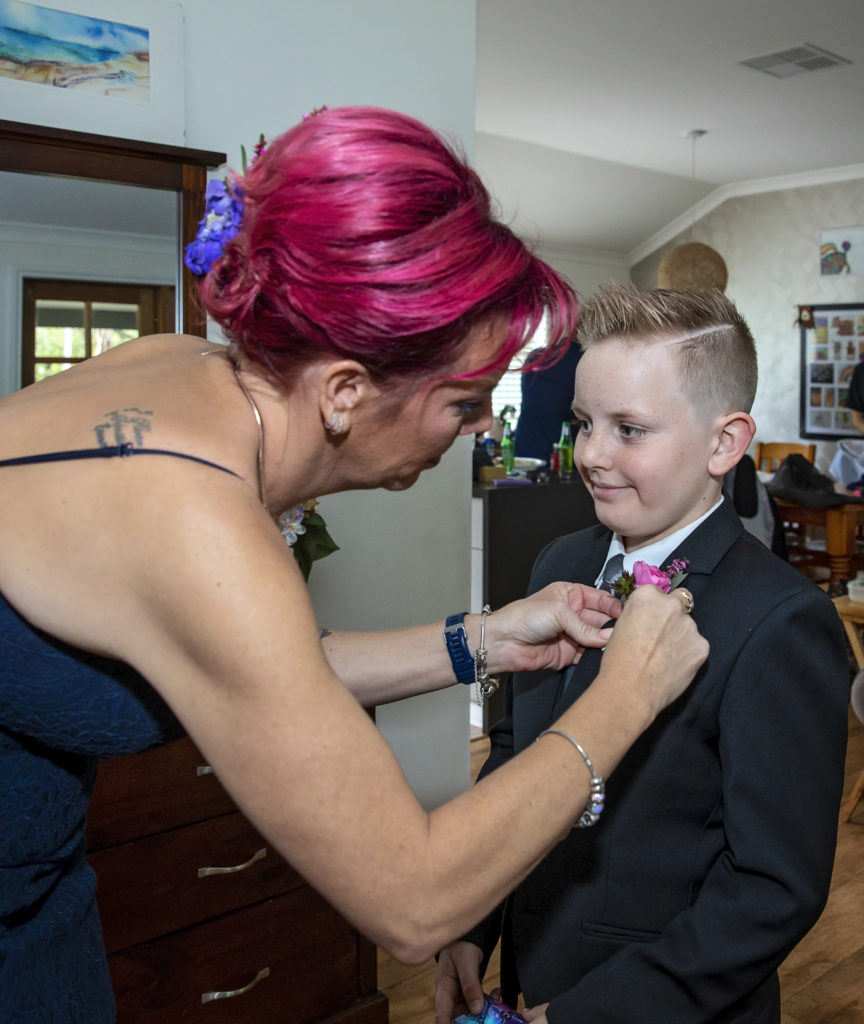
(121, 451)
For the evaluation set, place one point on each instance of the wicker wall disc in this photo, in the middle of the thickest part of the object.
(693, 267)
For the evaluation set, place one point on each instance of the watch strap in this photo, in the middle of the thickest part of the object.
(457, 647)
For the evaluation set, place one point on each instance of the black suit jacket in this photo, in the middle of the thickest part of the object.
(713, 856)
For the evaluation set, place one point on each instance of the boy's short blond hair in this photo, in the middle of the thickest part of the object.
(717, 356)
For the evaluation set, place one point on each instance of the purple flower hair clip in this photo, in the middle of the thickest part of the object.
(223, 215)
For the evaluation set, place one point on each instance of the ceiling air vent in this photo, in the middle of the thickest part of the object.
(795, 61)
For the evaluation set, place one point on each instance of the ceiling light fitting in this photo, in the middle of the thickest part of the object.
(692, 267)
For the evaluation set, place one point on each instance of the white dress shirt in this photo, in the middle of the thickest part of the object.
(655, 553)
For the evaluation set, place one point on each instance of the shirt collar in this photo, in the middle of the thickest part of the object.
(657, 552)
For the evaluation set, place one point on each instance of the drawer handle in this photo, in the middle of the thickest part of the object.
(204, 872)
(203, 769)
(208, 997)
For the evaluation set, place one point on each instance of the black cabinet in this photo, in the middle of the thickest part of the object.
(518, 522)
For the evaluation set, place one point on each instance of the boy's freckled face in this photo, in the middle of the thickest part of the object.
(642, 448)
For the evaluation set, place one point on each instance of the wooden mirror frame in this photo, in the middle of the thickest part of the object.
(33, 149)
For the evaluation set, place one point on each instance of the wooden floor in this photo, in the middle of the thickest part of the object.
(822, 980)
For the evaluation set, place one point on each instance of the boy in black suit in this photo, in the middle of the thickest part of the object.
(713, 855)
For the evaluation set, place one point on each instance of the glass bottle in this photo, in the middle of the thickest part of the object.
(508, 450)
(565, 450)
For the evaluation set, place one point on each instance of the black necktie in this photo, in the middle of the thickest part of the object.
(589, 664)
(611, 571)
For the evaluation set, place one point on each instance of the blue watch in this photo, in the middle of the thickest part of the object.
(457, 648)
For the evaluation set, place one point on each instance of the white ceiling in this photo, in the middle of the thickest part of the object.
(97, 205)
(583, 108)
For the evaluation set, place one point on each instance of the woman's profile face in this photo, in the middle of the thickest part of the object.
(404, 437)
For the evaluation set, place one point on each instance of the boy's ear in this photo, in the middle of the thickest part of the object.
(735, 432)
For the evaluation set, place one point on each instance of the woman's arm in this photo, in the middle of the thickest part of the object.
(199, 593)
(243, 669)
(547, 630)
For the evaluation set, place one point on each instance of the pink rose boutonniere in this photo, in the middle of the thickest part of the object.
(666, 579)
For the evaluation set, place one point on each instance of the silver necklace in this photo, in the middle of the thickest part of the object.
(290, 520)
(256, 413)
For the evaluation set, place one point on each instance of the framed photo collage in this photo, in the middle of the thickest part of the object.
(830, 350)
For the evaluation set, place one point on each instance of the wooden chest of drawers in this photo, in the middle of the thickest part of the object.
(203, 921)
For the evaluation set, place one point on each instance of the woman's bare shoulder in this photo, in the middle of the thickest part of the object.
(149, 393)
(80, 539)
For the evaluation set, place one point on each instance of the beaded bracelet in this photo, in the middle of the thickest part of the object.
(597, 799)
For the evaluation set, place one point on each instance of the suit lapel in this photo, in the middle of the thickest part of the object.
(708, 544)
(703, 550)
(574, 681)
(539, 692)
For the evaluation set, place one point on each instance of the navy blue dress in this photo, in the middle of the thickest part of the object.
(61, 709)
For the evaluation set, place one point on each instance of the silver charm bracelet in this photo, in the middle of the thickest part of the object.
(485, 684)
(597, 798)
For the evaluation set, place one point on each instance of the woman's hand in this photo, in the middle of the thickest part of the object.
(655, 645)
(550, 629)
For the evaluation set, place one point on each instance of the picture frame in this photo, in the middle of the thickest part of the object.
(841, 252)
(149, 106)
(832, 345)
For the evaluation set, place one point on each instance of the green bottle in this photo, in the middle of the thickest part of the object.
(508, 450)
(565, 450)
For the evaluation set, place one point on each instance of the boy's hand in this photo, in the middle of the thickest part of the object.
(536, 1015)
(549, 629)
(457, 981)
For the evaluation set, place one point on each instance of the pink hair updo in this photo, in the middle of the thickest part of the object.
(365, 236)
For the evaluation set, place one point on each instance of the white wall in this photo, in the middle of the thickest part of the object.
(405, 558)
(583, 270)
(770, 243)
(259, 68)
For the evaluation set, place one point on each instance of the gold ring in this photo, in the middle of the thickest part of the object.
(688, 599)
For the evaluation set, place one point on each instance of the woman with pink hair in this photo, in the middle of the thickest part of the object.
(372, 303)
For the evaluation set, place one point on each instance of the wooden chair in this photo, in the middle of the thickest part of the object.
(852, 616)
(770, 454)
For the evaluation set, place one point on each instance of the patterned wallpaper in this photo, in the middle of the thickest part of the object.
(770, 242)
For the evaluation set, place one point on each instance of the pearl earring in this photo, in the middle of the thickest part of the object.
(335, 425)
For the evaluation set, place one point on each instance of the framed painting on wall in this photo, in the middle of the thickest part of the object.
(832, 345)
(95, 66)
(842, 252)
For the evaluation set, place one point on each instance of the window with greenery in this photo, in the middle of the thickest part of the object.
(66, 322)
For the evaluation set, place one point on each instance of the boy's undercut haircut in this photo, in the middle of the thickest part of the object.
(717, 356)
